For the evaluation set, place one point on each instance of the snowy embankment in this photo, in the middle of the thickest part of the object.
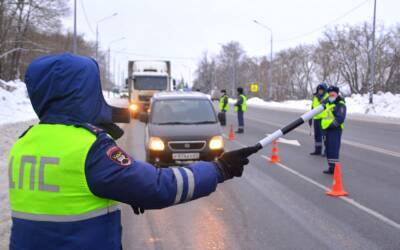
(16, 115)
(9, 133)
(385, 105)
(15, 105)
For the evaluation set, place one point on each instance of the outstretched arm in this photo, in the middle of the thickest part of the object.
(113, 174)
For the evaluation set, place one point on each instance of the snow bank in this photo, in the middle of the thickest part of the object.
(385, 104)
(298, 105)
(15, 105)
(8, 135)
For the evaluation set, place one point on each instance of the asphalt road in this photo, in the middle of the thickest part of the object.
(284, 206)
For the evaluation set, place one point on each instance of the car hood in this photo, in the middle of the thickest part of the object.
(184, 132)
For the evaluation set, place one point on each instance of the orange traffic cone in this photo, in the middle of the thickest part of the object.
(275, 157)
(231, 134)
(337, 187)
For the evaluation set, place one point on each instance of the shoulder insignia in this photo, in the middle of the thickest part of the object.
(117, 155)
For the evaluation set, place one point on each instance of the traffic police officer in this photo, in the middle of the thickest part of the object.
(67, 175)
(240, 108)
(223, 107)
(318, 97)
(332, 123)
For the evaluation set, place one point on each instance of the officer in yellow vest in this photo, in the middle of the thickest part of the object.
(67, 174)
(319, 96)
(333, 123)
(223, 107)
(240, 108)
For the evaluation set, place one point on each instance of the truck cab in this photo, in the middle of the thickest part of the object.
(145, 79)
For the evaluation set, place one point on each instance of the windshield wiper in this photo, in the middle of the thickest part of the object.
(172, 123)
(186, 123)
(204, 122)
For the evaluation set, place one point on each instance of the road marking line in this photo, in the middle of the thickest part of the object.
(350, 143)
(350, 201)
(287, 141)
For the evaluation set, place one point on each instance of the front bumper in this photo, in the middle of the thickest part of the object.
(165, 158)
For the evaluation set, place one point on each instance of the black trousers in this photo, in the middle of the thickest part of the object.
(318, 135)
(332, 142)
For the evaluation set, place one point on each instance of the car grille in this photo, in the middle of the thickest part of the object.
(186, 145)
(144, 98)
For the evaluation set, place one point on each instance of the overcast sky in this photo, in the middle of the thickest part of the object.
(182, 30)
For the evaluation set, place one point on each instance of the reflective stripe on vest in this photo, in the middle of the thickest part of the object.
(65, 218)
(47, 175)
(316, 103)
(244, 105)
(328, 117)
(222, 103)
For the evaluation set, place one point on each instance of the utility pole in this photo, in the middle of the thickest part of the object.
(109, 61)
(233, 77)
(271, 58)
(75, 39)
(97, 32)
(373, 59)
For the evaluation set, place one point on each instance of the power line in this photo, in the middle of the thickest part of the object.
(329, 23)
(86, 18)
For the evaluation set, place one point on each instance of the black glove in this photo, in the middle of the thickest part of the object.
(310, 122)
(230, 164)
(137, 210)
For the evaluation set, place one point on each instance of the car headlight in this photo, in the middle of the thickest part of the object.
(217, 142)
(134, 107)
(156, 144)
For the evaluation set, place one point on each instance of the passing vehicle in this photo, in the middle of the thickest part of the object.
(145, 78)
(182, 127)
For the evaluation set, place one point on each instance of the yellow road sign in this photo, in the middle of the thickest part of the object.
(254, 87)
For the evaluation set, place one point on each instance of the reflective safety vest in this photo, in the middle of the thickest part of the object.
(47, 179)
(244, 105)
(328, 117)
(222, 106)
(316, 103)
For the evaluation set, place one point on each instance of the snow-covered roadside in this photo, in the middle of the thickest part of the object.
(15, 105)
(385, 105)
(8, 135)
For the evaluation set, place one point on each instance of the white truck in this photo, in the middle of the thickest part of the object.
(145, 78)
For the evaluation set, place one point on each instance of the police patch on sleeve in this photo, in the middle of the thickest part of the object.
(119, 156)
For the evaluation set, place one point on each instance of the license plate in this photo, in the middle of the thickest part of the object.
(185, 156)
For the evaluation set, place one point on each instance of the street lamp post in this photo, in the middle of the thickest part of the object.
(97, 32)
(373, 58)
(109, 60)
(75, 39)
(271, 53)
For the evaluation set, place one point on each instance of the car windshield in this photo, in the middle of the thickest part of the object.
(151, 82)
(184, 111)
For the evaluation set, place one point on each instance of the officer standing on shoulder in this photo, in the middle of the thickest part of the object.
(67, 174)
(319, 96)
(333, 123)
(240, 108)
(223, 107)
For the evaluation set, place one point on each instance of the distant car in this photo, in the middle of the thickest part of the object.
(182, 127)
